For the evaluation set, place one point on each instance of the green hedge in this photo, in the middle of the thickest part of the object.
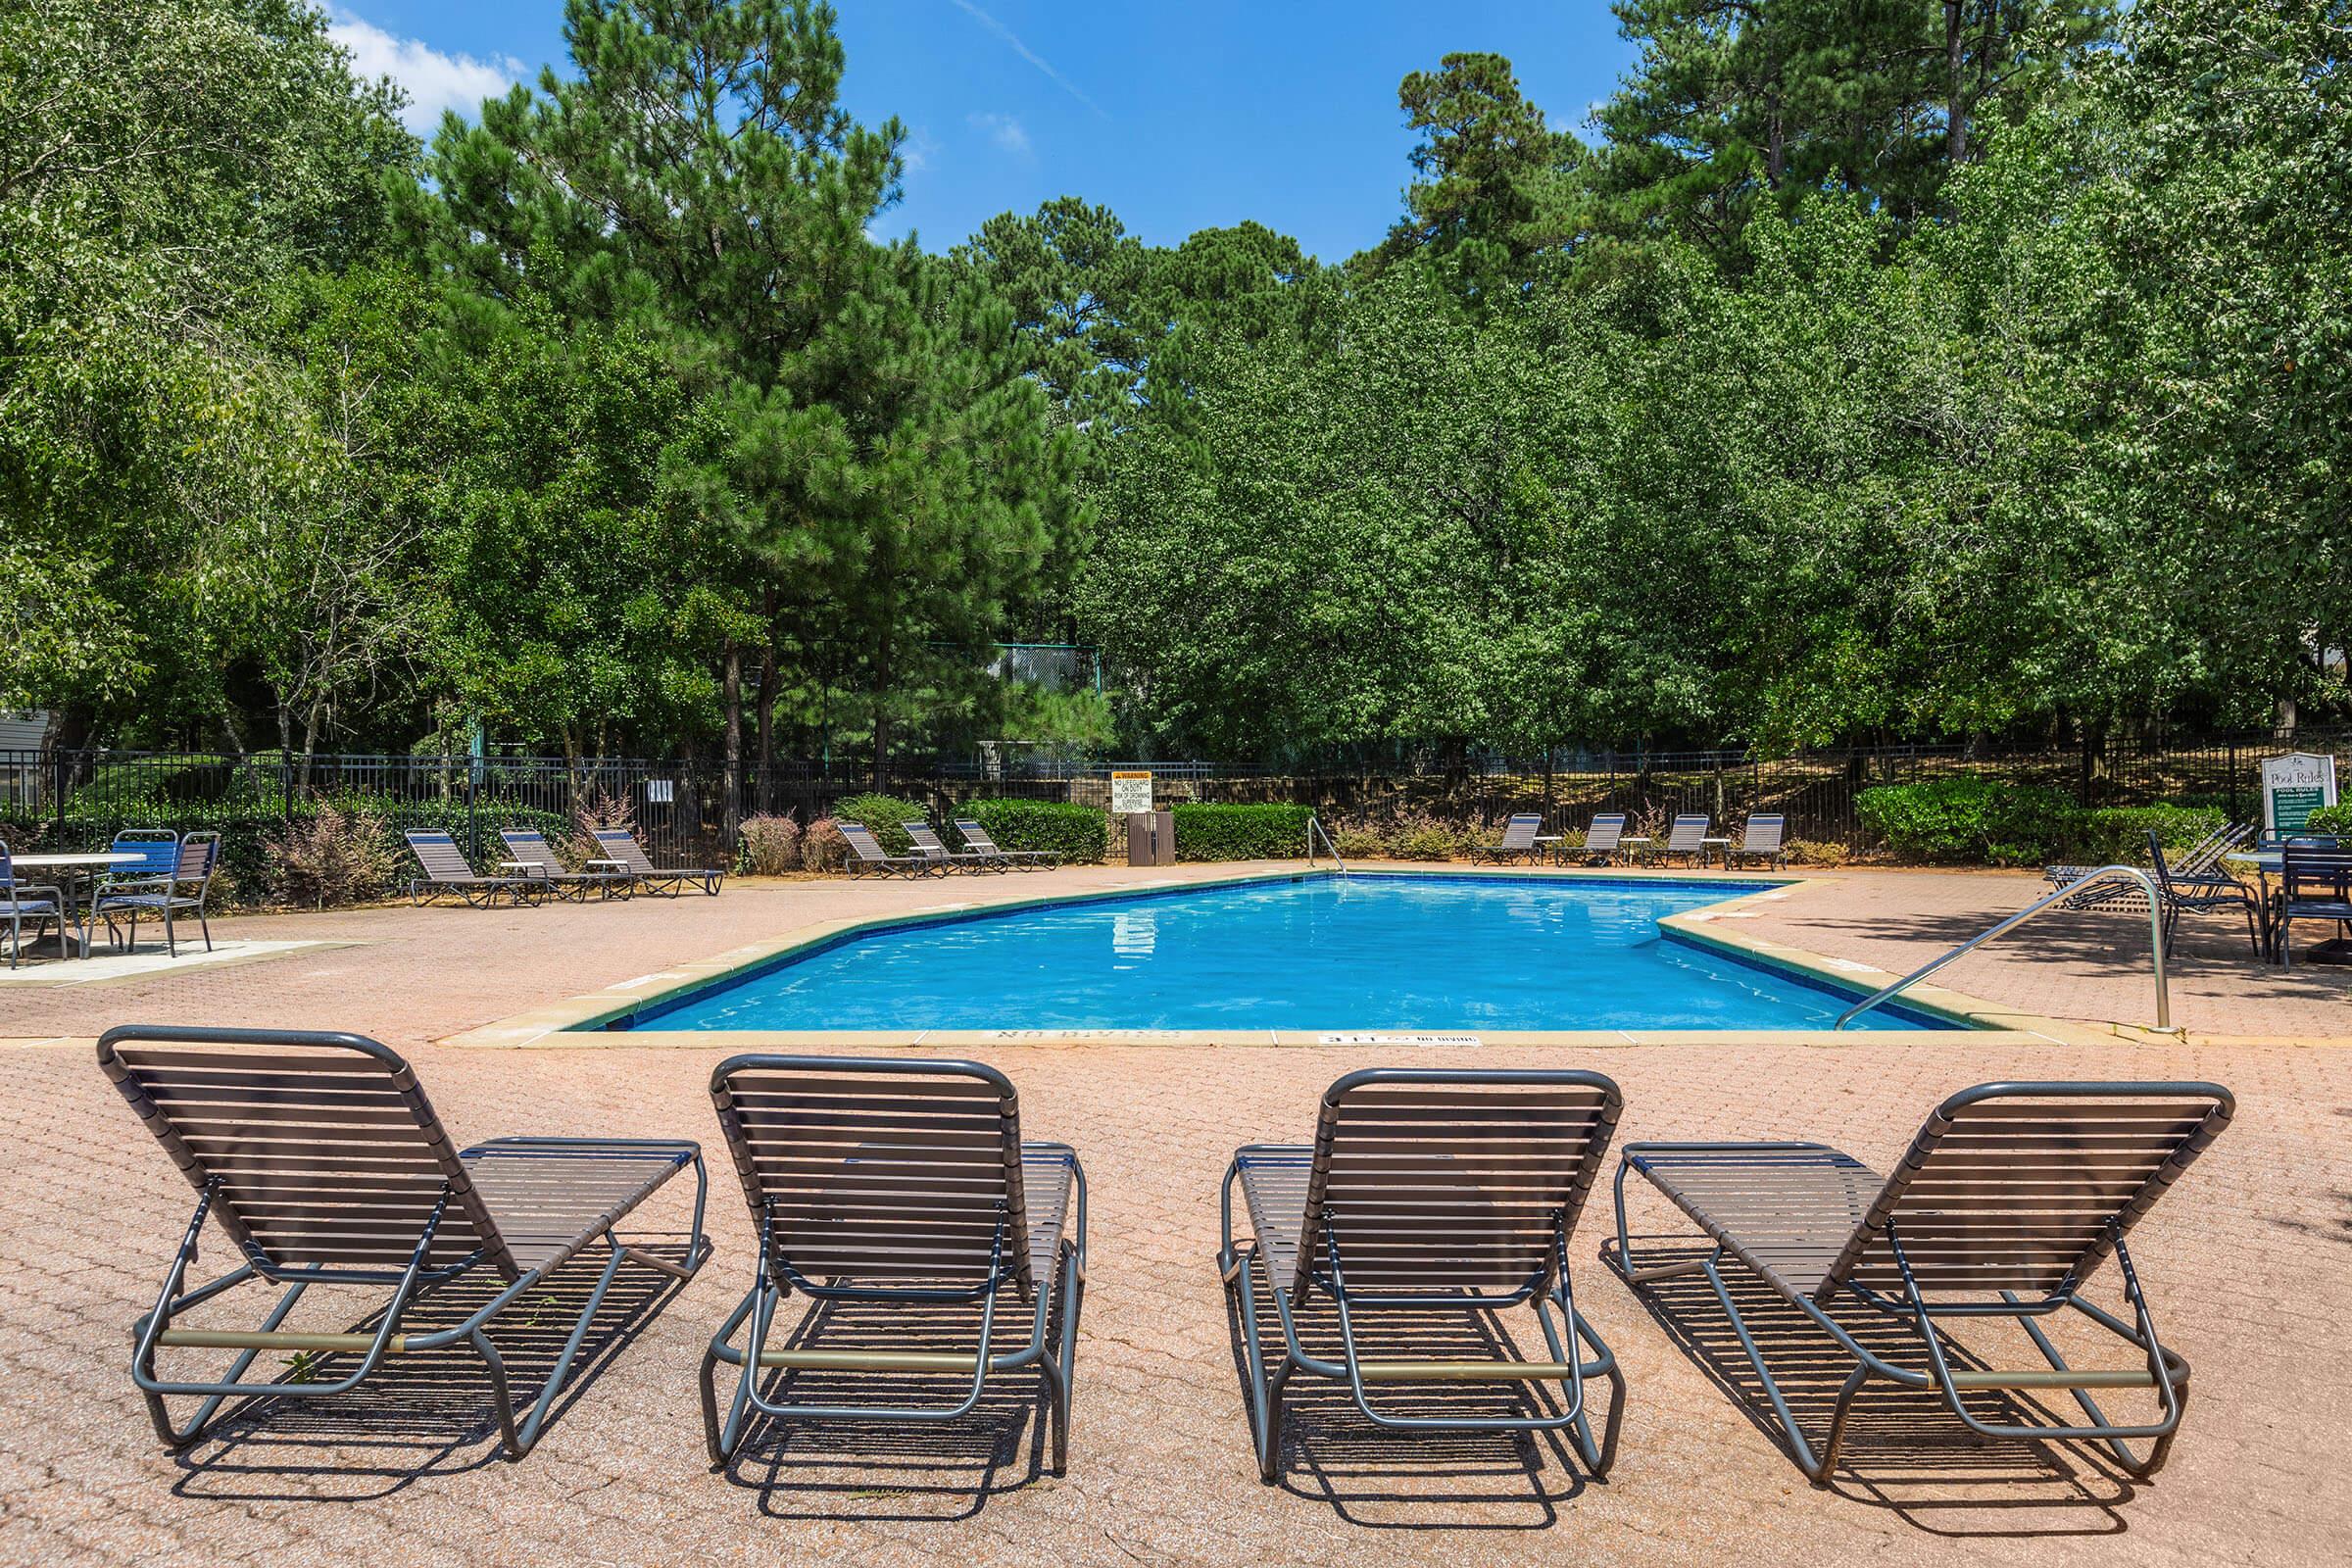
(1983, 821)
(246, 875)
(1241, 832)
(1081, 834)
(2337, 820)
(881, 814)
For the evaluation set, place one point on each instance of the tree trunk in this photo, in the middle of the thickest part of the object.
(1956, 103)
(767, 727)
(731, 781)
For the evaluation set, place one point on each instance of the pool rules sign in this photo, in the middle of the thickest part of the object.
(1131, 793)
(2293, 787)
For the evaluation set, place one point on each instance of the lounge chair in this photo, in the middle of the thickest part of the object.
(867, 854)
(2017, 1191)
(183, 889)
(322, 1162)
(1761, 842)
(2209, 893)
(1603, 839)
(21, 902)
(2315, 877)
(446, 871)
(931, 847)
(903, 1186)
(528, 849)
(1687, 839)
(1435, 1192)
(1518, 838)
(975, 837)
(2202, 862)
(622, 848)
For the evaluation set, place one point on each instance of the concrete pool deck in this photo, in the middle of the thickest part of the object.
(2247, 1265)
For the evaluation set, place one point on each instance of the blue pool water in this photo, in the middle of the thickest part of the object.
(1386, 953)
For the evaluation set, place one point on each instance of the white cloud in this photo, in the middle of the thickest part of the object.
(434, 81)
(1006, 132)
(1014, 43)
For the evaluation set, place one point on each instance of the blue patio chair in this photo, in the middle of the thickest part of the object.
(2314, 884)
(183, 889)
(22, 901)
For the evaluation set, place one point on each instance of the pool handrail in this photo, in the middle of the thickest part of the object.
(1314, 826)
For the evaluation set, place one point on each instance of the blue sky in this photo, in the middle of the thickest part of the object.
(1176, 117)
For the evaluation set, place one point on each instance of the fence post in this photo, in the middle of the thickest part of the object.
(473, 830)
(2234, 781)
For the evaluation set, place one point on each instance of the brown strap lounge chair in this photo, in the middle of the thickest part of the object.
(622, 848)
(928, 844)
(2004, 1206)
(903, 1185)
(976, 837)
(446, 872)
(527, 850)
(1518, 838)
(321, 1159)
(1433, 1192)
(867, 856)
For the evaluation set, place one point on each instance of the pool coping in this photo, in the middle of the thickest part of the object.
(570, 1022)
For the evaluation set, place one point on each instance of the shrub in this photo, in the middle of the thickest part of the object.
(1081, 834)
(2111, 834)
(1967, 820)
(881, 814)
(1267, 832)
(1360, 842)
(1816, 852)
(598, 811)
(2337, 820)
(332, 856)
(1424, 839)
(823, 848)
(772, 845)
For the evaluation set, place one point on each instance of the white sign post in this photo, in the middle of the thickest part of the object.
(1130, 793)
(2293, 787)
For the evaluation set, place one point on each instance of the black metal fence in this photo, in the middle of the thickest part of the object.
(69, 799)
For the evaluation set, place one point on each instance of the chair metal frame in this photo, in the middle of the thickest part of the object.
(977, 837)
(2326, 862)
(776, 1278)
(1525, 825)
(152, 893)
(153, 1331)
(476, 890)
(2167, 1371)
(1549, 1290)
(19, 905)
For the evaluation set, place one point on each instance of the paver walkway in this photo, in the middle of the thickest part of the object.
(2249, 1264)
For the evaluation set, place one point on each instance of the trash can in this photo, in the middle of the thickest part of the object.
(1151, 838)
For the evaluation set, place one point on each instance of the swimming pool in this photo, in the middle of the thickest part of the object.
(1357, 952)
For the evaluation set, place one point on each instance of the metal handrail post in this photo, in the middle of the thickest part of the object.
(1314, 825)
(2105, 873)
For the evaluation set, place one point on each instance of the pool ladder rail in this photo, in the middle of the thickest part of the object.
(2073, 890)
(1316, 830)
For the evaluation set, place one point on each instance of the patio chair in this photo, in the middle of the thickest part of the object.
(320, 1157)
(906, 1187)
(446, 870)
(1434, 1191)
(185, 888)
(528, 848)
(621, 847)
(1760, 842)
(2016, 1192)
(21, 902)
(1518, 838)
(158, 852)
(2315, 877)
(1687, 839)
(931, 847)
(975, 837)
(2206, 894)
(867, 854)
(1603, 839)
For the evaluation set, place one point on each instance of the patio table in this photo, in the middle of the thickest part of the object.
(70, 867)
(1721, 849)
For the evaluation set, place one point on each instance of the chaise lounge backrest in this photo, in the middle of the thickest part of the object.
(878, 1170)
(1519, 833)
(863, 843)
(2025, 1187)
(321, 1150)
(1763, 836)
(438, 853)
(1435, 1181)
(619, 844)
(1689, 835)
(1607, 831)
